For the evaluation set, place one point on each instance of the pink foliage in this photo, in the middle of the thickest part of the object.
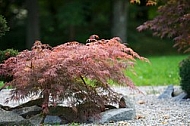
(59, 73)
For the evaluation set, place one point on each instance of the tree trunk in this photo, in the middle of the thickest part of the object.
(33, 31)
(119, 27)
(71, 32)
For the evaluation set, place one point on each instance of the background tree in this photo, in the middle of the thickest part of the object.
(60, 23)
(173, 21)
(119, 27)
(3, 26)
(15, 15)
(33, 30)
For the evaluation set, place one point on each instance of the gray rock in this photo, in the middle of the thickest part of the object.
(68, 114)
(180, 97)
(167, 93)
(27, 112)
(177, 91)
(52, 120)
(125, 102)
(126, 111)
(114, 115)
(9, 118)
(36, 120)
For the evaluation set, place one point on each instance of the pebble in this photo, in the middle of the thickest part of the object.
(151, 111)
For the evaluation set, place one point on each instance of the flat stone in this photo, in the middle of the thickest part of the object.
(9, 118)
(167, 93)
(36, 120)
(52, 120)
(114, 115)
(27, 112)
(5, 94)
(180, 97)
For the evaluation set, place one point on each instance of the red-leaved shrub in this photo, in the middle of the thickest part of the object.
(172, 21)
(60, 73)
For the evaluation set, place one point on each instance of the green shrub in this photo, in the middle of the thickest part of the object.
(4, 55)
(3, 26)
(184, 73)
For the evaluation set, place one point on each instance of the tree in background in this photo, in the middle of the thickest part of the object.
(3, 26)
(69, 20)
(15, 15)
(173, 21)
(119, 27)
(33, 28)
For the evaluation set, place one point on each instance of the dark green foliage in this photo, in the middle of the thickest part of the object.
(184, 72)
(64, 20)
(4, 55)
(3, 26)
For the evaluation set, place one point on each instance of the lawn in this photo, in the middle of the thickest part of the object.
(162, 70)
(1, 83)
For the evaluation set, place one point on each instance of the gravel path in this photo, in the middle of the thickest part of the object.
(151, 111)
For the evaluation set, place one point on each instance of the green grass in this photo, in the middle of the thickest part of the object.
(162, 70)
(1, 83)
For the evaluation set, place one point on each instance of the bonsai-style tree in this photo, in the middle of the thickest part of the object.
(72, 71)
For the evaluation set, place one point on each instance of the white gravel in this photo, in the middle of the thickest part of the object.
(150, 111)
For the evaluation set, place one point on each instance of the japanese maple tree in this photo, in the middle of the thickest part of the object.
(173, 21)
(63, 72)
